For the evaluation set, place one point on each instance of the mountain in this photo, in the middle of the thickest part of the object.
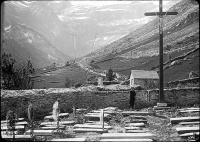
(21, 38)
(77, 29)
(139, 49)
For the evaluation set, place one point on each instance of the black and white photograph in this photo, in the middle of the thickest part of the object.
(100, 70)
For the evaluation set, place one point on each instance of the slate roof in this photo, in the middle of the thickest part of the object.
(144, 74)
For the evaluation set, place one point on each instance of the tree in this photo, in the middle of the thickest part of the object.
(110, 75)
(15, 77)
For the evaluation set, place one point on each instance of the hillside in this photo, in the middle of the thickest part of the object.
(139, 49)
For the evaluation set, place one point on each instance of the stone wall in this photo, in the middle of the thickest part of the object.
(43, 99)
(193, 82)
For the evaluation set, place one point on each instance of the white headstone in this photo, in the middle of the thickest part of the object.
(101, 118)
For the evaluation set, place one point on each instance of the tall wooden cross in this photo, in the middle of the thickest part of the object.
(160, 14)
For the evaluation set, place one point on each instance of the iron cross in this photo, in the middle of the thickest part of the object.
(160, 14)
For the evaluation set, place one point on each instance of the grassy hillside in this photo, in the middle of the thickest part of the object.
(139, 49)
(57, 78)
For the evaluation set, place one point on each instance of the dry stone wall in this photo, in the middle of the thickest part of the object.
(43, 99)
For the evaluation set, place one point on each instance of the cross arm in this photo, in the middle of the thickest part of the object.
(160, 13)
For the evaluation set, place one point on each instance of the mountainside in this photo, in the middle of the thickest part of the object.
(139, 49)
(75, 29)
(24, 43)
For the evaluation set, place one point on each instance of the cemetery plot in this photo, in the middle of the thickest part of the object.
(60, 123)
(160, 107)
(189, 123)
(17, 137)
(61, 115)
(91, 126)
(40, 132)
(183, 119)
(71, 140)
(52, 127)
(126, 140)
(127, 113)
(182, 130)
(189, 134)
(3, 128)
(84, 130)
(126, 136)
(135, 124)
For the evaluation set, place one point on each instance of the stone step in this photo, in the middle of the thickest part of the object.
(189, 134)
(136, 131)
(60, 123)
(135, 124)
(189, 123)
(126, 140)
(126, 113)
(183, 119)
(61, 115)
(17, 137)
(91, 126)
(84, 130)
(40, 132)
(70, 140)
(133, 128)
(126, 136)
(3, 128)
(182, 130)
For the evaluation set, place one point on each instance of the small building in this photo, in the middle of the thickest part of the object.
(144, 79)
(100, 81)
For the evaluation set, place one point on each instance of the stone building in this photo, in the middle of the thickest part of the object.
(145, 79)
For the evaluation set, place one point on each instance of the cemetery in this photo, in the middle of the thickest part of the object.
(109, 124)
